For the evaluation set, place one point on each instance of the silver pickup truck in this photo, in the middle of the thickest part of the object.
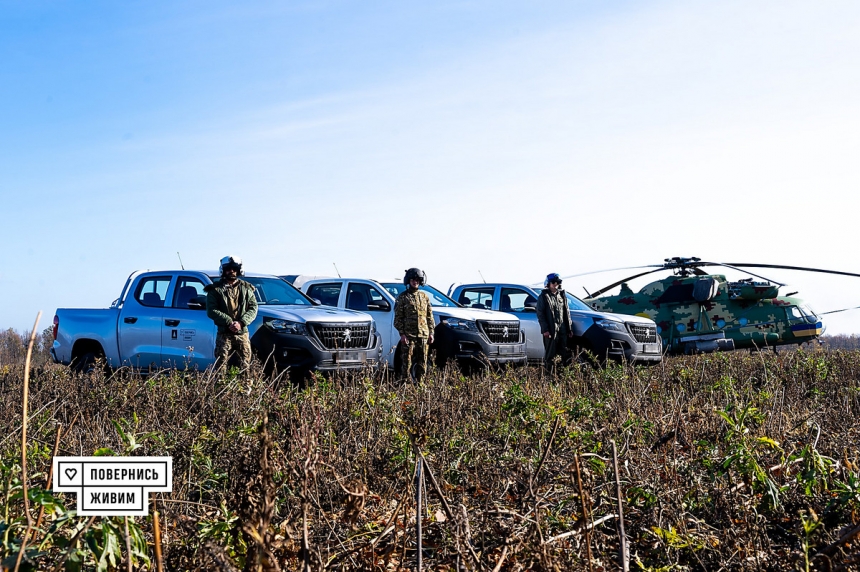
(614, 336)
(159, 321)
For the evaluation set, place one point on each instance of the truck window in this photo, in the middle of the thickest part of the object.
(514, 300)
(328, 294)
(187, 289)
(152, 290)
(477, 298)
(276, 292)
(358, 296)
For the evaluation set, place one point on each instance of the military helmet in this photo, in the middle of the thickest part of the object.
(415, 273)
(552, 277)
(231, 262)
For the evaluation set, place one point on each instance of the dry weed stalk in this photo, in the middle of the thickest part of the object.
(24, 418)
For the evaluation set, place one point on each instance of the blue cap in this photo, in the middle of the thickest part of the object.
(552, 277)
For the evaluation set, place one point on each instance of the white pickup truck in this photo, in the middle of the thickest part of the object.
(469, 336)
(159, 321)
(613, 336)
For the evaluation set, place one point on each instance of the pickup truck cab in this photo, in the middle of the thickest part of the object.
(613, 336)
(159, 321)
(466, 335)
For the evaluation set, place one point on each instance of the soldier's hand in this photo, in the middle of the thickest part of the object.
(430, 339)
(570, 334)
(235, 327)
(546, 334)
(404, 340)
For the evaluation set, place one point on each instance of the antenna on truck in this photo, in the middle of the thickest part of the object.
(180, 260)
(482, 277)
(336, 270)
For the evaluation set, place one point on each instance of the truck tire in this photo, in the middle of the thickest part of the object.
(87, 362)
(582, 352)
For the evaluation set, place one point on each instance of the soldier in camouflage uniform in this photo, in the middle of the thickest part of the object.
(553, 314)
(413, 318)
(232, 305)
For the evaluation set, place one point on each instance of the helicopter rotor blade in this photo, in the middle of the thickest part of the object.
(739, 269)
(611, 286)
(612, 270)
(803, 268)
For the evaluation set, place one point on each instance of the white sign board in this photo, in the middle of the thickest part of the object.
(113, 486)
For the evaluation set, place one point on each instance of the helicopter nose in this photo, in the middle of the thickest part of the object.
(812, 327)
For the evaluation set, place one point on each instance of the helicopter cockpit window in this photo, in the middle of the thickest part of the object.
(794, 313)
(801, 313)
(676, 293)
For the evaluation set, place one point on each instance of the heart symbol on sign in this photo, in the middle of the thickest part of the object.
(71, 473)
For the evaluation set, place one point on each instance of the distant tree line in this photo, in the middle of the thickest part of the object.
(842, 342)
(13, 347)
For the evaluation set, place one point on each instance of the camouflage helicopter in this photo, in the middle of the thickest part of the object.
(698, 312)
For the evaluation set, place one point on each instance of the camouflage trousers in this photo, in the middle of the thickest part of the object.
(228, 345)
(555, 347)
(415, 352)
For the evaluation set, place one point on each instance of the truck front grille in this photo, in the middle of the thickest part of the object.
(501, 332)
(343, 336)
(643, 333)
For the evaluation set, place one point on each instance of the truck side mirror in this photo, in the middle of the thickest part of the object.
(379, 305)
(197, 303)
(530, 305)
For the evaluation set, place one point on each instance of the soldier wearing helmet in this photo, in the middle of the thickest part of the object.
(413, 318)
(553, 314)
(232, 305)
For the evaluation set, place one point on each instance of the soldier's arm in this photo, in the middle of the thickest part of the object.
(250, 314)
(398, 315)
(540, 310)
(216, 315)
(431, 323)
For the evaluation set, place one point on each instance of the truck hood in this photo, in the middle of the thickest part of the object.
(618, 317)
(318, 314)
(473, 314)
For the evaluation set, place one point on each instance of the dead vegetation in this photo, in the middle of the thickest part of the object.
(725, 461)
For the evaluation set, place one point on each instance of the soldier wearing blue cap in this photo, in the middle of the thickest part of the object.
(553, 315)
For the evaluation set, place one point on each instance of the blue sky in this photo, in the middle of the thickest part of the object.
(511, 138)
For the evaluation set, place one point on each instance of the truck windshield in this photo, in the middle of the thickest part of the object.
(572, 301)
(437, 298)
(275, 292)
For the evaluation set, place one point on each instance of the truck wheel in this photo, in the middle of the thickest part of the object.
(441, 359)
(87, 362)
(583, 353)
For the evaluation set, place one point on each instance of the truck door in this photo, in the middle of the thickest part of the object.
(140, 323)
(366, 298)
(478, 297)
(522, 302)
(328, 293)
(187, 333)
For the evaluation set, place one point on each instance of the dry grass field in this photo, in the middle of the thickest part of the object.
(725, 462)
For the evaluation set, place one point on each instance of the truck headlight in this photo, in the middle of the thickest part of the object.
(462, 325)
(611, 325)
(288, 327)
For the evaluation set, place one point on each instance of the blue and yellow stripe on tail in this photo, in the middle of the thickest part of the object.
(804, 330)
